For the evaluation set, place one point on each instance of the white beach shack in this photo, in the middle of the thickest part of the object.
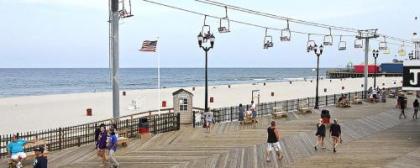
(183, 104)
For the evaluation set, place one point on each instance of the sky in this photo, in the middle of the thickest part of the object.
(74, 33)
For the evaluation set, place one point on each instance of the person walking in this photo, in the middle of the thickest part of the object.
(241, 112)
(253, 109)
(335, 131)
(40, 160)
(320, 133)
(101, 144)
(113, 139)
(208, 119)
(416, 108)
(402, 103)
(16, 150)
(273, 137)
(97, 133)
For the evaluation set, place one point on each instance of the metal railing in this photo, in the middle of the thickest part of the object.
(228, 114)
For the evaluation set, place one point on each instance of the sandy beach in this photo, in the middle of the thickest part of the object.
(31, 113)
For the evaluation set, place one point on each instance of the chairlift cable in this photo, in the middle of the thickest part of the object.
(240, 22)
(351, 30)
(303, 22)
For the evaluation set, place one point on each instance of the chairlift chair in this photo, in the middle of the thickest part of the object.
(383, 45)
(401, 51)
(124, 13)
(205, 31)
(285, 33)
(358, 43)
(224, 26)
(342, 45)
(328, 39)
(386, 51)
(268, 40)
(310, 44)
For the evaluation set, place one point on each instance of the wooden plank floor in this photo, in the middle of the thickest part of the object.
(365, 129)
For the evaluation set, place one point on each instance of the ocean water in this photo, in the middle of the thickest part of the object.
(24, 82)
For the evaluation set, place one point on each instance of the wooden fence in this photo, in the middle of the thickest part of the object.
(66, 137)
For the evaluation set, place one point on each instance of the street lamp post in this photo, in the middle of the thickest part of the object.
(375, 56)
(318, 53)
(202, 39)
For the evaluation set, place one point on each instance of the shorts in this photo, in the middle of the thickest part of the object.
(275, 145)
(208, 123)
(16, 156)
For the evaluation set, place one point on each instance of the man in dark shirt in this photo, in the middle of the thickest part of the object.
(335, 131)
(40, 160)
(403, 103)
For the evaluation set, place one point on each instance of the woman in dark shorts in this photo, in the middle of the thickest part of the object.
(335, 131)
(320, 133)
(101, 144)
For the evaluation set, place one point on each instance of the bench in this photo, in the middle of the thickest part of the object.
(122, 141)
(122, 138)
(304, 109)
(357, 100)
(278, 112)
(248, 119)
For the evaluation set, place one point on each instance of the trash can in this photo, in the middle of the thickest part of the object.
(89, 112)
(143, 126)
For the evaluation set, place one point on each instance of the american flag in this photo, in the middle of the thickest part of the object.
(149, 46)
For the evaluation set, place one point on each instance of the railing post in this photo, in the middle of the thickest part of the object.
(131, 126)
(78, 141)
(309, 103)
(60, 140)
(335, 98)
(178, 120)
(326, 100)
(1, 152)
(287, 106)
(193, 119)
(154, 125)
(231, 114)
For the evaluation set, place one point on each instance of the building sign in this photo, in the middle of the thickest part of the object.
(411, 75)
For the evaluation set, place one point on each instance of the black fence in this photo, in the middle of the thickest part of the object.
(66, 137)
(228, 114)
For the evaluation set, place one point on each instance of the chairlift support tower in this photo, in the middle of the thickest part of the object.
(416, 41)
(114, 52)
(367, 35)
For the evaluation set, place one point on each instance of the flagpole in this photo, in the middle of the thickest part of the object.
(158, 67)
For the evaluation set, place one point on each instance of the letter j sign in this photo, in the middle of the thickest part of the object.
(411, 75)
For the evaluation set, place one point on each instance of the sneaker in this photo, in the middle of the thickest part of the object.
(268, 160)
(19, 165)
(315, 148)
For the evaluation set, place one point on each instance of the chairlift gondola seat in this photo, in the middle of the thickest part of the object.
(342, 46)
(224, 25)
(358, 43)
(328, 40)
(285, 35)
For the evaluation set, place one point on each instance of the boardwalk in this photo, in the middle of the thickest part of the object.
(373, 137)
